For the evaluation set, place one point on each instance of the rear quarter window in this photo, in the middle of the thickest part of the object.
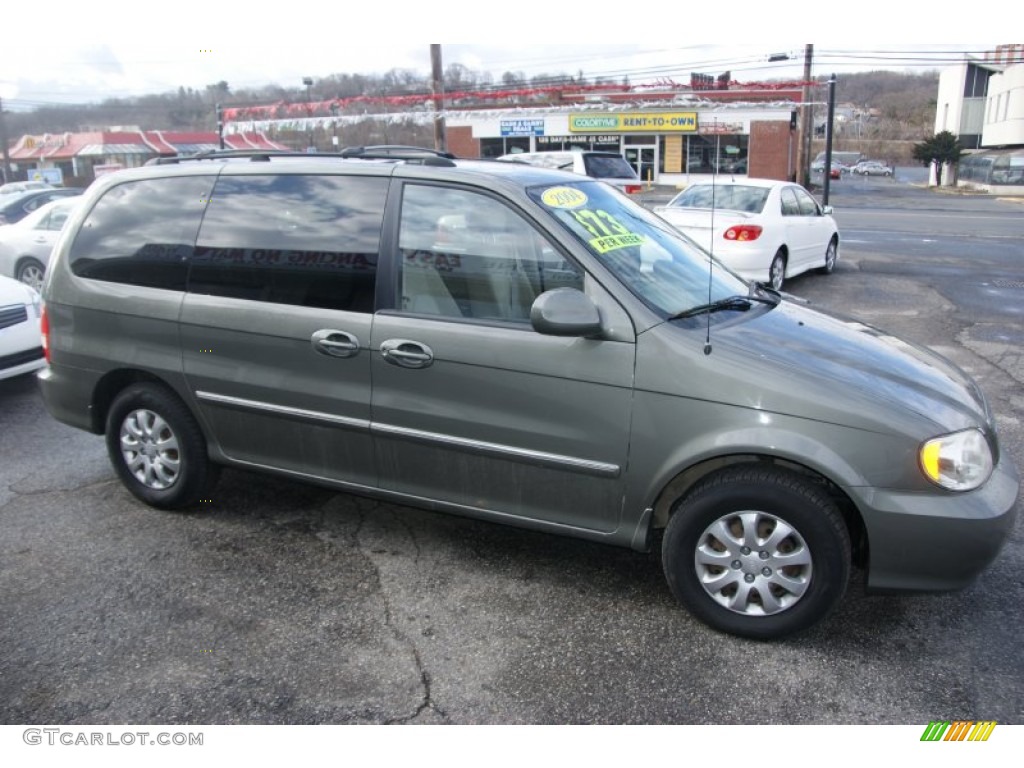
(142, 232)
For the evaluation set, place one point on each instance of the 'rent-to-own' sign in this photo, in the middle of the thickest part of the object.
(638, 122)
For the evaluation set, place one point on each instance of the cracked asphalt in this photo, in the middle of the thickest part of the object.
(284, 603)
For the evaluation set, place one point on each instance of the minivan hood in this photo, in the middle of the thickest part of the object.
(800, 361)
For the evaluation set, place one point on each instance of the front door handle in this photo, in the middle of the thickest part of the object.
(407, 354)
(335, 343)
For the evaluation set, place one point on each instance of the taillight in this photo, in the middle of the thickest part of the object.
(632, 189)
(44, 326)
(743, 233)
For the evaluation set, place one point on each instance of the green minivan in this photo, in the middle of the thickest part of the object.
(519, 345)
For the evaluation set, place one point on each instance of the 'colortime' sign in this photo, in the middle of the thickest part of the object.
(626, 122)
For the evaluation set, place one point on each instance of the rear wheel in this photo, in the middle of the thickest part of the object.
(831, 256)
(757, 552)
(777, 270)
(157, 448)
(31, 273)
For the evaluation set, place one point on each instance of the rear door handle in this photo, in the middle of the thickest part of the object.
(335, 343)
(406, 353)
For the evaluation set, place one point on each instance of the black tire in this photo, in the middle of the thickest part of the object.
(777, 270)
(30, 272)
(162, 458)
(831, 256)
(769, 598)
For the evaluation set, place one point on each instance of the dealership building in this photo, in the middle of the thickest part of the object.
(667, 134)
(665, 139)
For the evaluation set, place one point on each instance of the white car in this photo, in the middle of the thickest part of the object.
(25, 246)
(609, 167)
(763, 230)
(871, 168)
(21, 338)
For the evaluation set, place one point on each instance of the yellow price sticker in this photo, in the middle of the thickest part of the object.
(563, 197)
(613, 242)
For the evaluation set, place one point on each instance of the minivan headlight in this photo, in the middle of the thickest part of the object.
(960, 462)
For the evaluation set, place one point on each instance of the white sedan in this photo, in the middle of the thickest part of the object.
(25, 246)
(21, 339)
(764, 230)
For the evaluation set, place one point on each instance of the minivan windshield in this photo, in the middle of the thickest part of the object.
(666, 270)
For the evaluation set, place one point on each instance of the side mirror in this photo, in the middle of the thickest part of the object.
(565, 312)
(826, 210)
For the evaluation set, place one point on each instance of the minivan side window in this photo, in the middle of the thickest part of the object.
(466, 255)
(307, 240)
(142, 232)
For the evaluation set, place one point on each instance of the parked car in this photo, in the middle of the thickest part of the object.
(845, 160)
(736, 166)
(25, 245)
(21, 340)
(610, 167)
(871, 168)
(524, 346)
(16, 207)
(837, 168)
(763, 230)
(14, 187)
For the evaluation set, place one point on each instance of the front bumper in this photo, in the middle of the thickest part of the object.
(930, 542)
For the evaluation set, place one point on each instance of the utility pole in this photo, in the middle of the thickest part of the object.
(828, 136)
(220, 126)
(437, 89)
(803, 145)
(308, 82)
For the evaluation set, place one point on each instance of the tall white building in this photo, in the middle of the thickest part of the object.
(981, 101)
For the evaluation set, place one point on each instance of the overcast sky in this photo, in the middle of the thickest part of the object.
(90, 50)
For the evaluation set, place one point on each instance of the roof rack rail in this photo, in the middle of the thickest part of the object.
(396, 152)
(216, 154)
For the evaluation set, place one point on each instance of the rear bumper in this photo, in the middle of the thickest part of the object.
(937, 541)
(67, 395)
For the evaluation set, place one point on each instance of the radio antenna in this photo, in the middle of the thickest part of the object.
(711, 247)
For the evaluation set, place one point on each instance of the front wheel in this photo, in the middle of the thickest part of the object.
(157, 448)
(757, 552)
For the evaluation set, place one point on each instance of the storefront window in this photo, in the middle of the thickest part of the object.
(504, 146)
(725, 153)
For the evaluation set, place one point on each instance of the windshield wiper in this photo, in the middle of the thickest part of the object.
(736, 303)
